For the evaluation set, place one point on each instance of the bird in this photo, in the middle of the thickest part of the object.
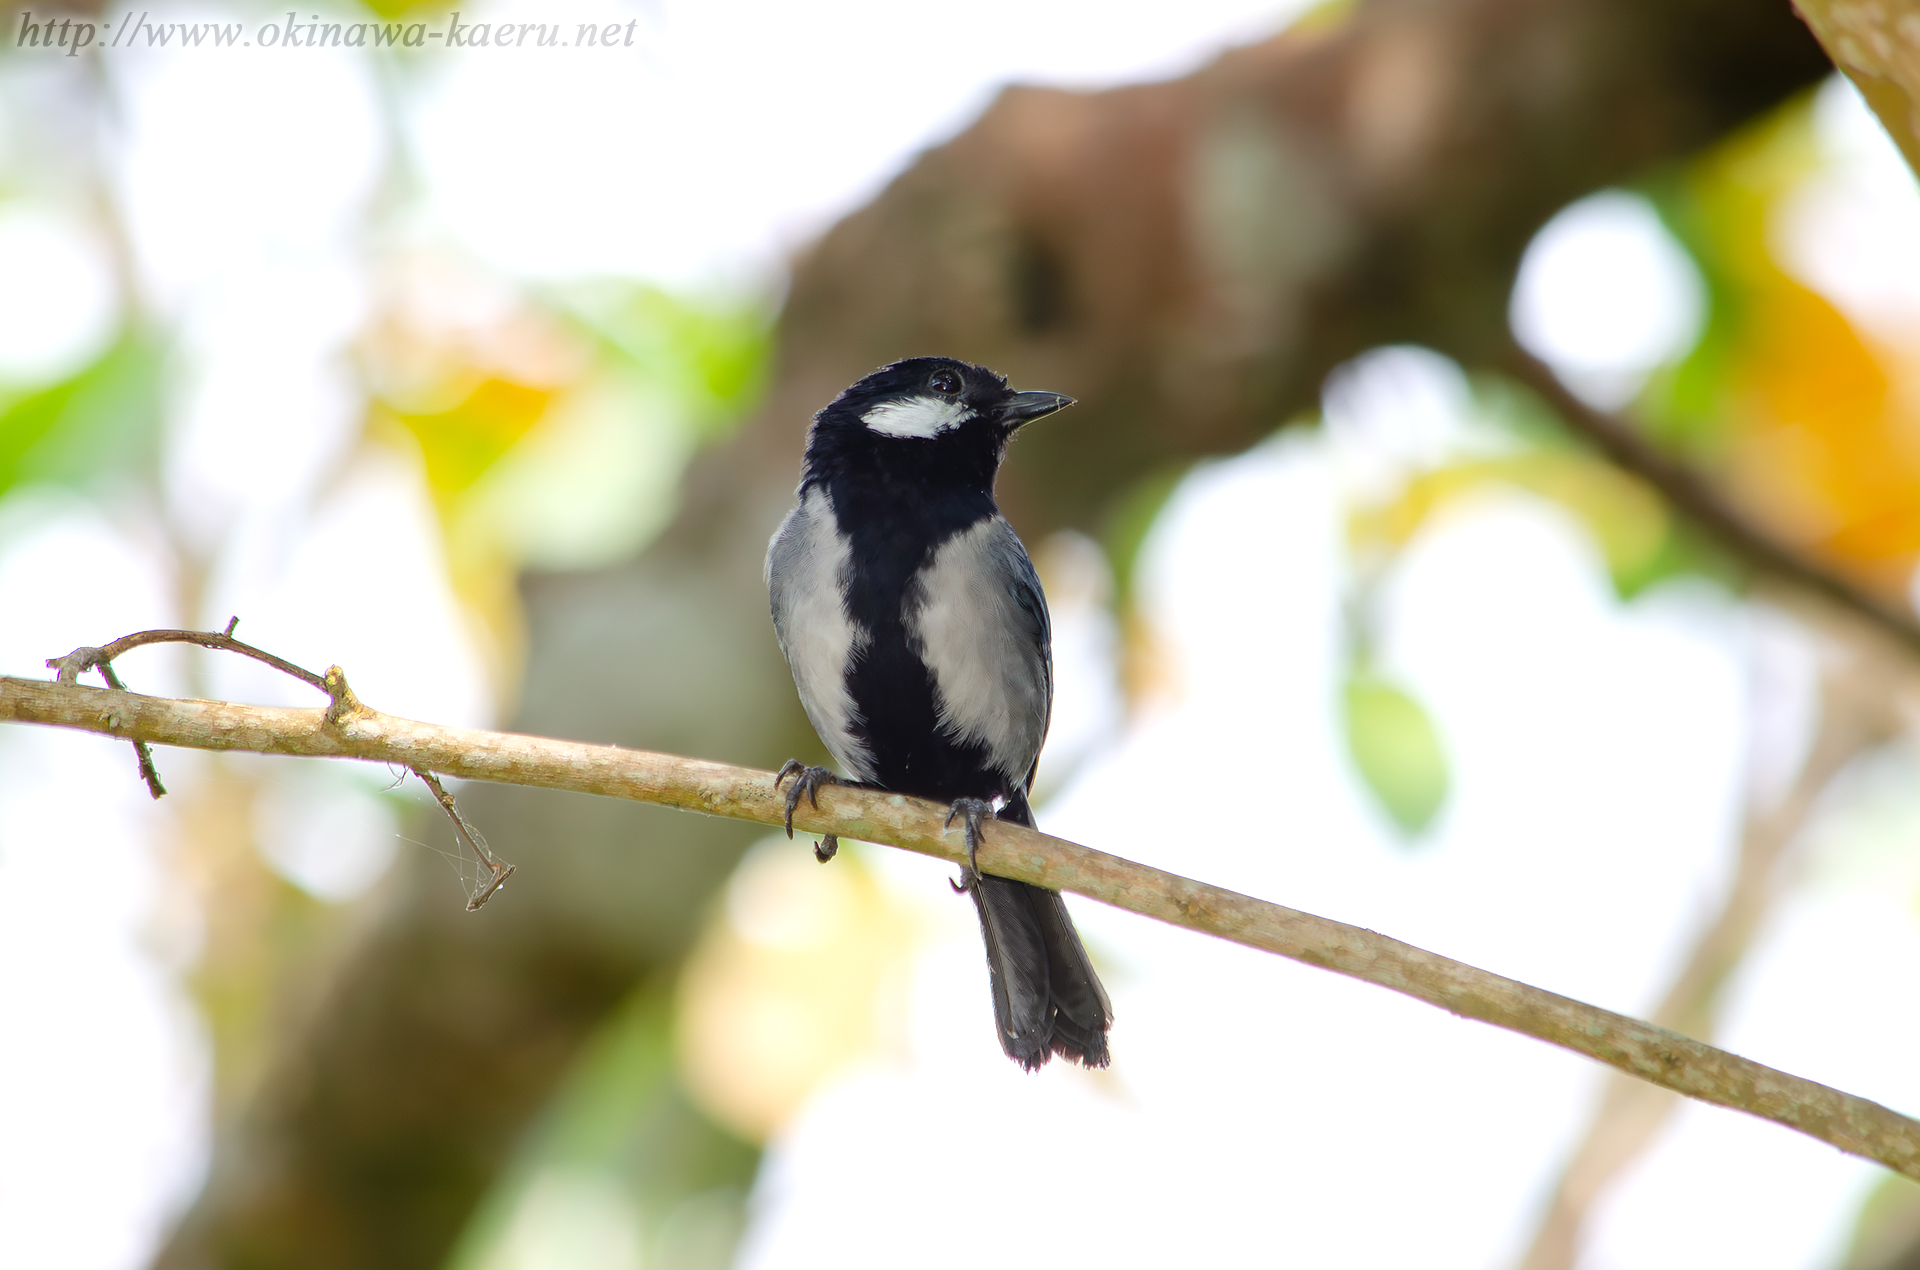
(920, 644)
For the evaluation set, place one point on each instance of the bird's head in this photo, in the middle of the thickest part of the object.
(925, 418)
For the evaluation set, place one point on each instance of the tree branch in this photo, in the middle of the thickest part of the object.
(1873, 44)
(83, 659)
(498, 870)
(1650, 1053)
(1691, 495)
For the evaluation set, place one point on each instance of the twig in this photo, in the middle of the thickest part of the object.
(498, 869)
(341, 705)
(1699, 502)
(148, 772)
(81, 660)
(1640, 1049)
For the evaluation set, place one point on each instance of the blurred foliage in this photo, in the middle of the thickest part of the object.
(1783, 402)
(1638, 537)
(1144, 670)
(1129, 519)
(460, 445)
(555, 435)
(1396, 749)
(102, 423)
(623, 1171)
(393, 9)
(1627, 521)
(1795, 409)
(259, 933)
(1888, 1228)
(783, 989)
(711, 358)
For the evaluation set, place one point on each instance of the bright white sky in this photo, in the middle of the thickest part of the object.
(729, 133)
(735, 131)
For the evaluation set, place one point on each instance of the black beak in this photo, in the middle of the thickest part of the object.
(1025, 407)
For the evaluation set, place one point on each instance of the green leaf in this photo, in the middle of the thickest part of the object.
(1397, 751)
(709, 356)
(103, 422)
(1129, 518)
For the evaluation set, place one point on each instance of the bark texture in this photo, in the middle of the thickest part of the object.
(1186, 258)
(1877, 44)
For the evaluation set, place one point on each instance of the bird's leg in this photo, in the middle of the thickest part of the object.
(971, 811)
(807, 782)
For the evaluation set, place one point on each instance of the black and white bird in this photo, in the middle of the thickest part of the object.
(919, 641)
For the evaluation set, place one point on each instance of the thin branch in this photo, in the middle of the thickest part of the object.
(1700, 502)
(499, 870)
(81, 660)
(141, 752)
(1640, 1049)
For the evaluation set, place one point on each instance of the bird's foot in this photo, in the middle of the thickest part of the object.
(806, 783)
(972, 811)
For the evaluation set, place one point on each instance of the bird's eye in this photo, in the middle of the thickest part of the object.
(946, 381)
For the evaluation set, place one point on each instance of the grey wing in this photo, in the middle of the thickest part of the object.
(979, 621)
(1033, 605)
(806, 564)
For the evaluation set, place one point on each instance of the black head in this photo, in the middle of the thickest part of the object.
(925, 419)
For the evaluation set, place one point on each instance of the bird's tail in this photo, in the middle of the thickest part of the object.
(1046, 998)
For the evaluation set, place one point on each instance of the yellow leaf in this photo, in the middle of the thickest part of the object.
(1814, 441)
(459, 445)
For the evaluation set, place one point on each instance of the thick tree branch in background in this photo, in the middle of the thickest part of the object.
(1650, 1053)
(1695, 498)
(1189, 259)
(1877, 43)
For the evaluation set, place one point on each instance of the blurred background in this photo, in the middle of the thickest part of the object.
(484, 370)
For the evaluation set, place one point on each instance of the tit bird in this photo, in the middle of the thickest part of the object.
(919, 640)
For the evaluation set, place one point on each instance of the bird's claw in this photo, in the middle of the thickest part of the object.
(806, 784)
(972, 811)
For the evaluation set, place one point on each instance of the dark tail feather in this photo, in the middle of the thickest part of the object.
(1082, 1013)
(1016, 968)
(1046, 997)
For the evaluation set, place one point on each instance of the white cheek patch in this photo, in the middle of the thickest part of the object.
(916, 417)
